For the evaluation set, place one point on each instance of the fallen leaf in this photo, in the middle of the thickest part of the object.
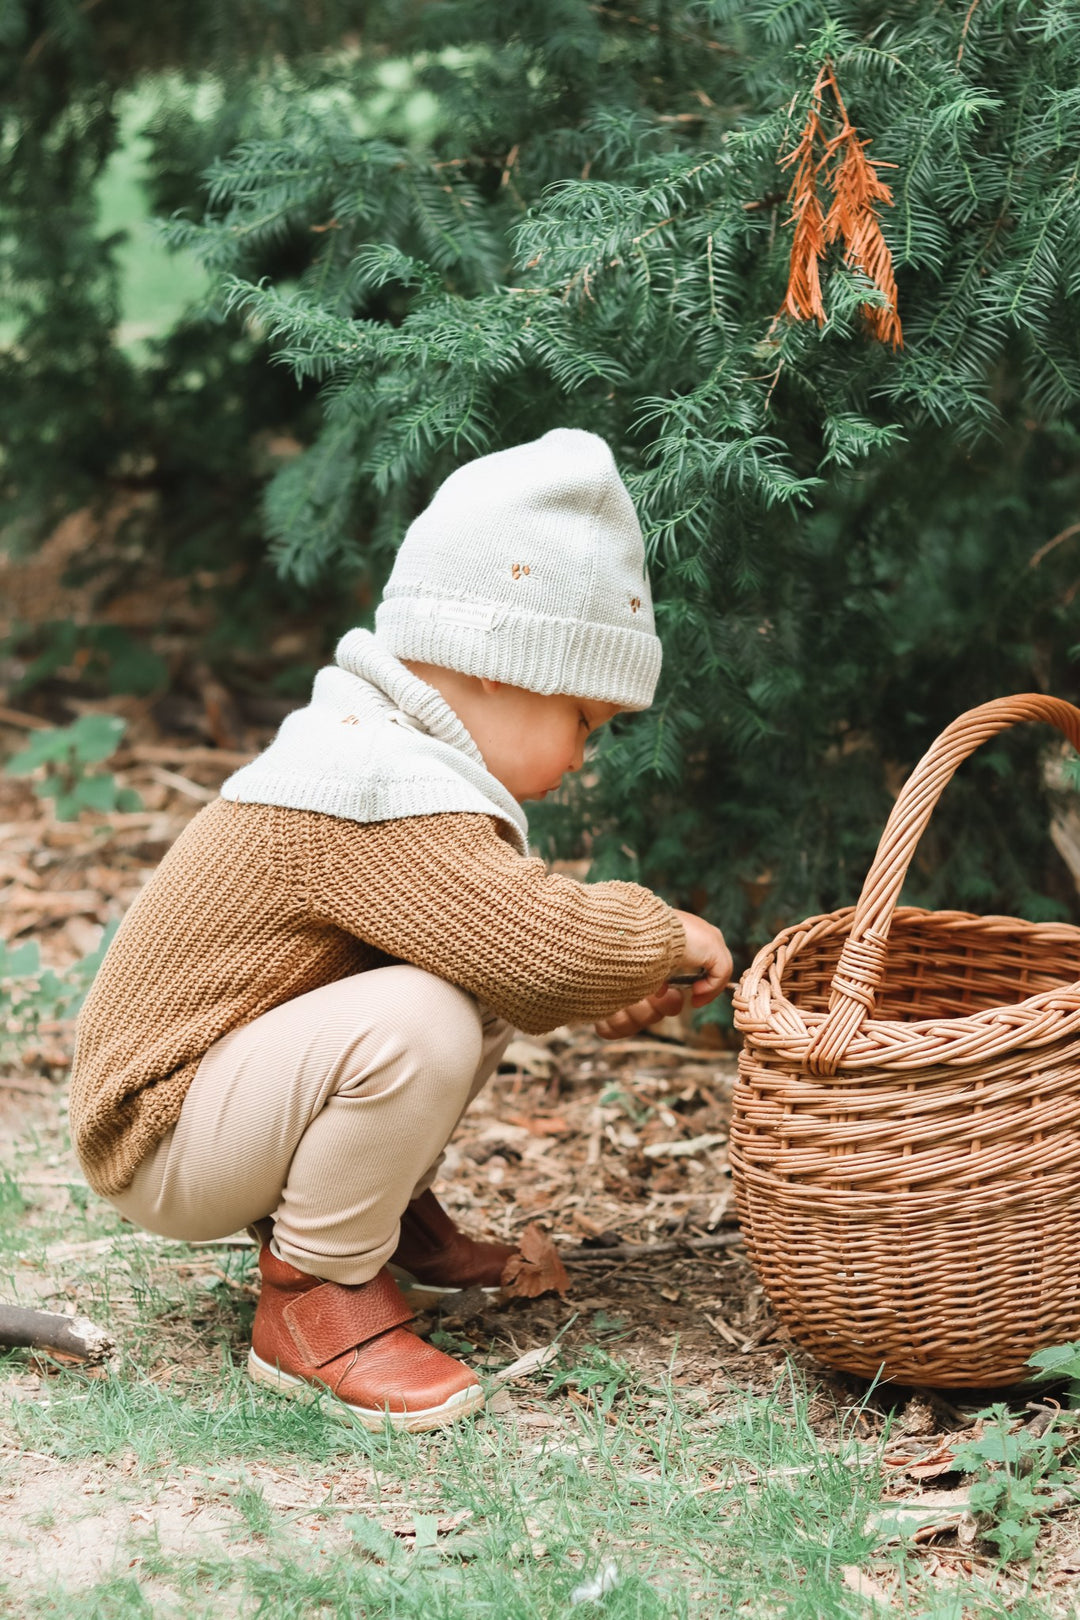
(540, 1124)
(532, 1361)
(529, 1057)
(934, 1468)
(535, 1268)
(930, 1465)
(425, 1530)
(920, 1518)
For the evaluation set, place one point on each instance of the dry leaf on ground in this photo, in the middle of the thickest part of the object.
(536, 1268)
(532, 1361)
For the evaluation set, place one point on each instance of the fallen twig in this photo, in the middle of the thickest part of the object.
(29, 722)
(157, 754)
(24, 1329)
(642, 1251)
(659, 1046)
(183, 784)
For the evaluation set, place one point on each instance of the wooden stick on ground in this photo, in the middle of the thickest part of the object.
(23, 1329)
(28, 722)
(644, 1251)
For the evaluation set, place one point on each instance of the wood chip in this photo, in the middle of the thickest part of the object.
(657, 1049)
(684, 1149)
(530, 1057)
(27, 722)
(645, 1251)
(722, 1328)
(229, 759)
(52, 902)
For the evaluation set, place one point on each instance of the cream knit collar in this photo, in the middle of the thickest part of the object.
(375, 744)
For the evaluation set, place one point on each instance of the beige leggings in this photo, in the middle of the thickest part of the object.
(329, 1113)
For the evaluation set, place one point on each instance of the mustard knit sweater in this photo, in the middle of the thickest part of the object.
(255, 904)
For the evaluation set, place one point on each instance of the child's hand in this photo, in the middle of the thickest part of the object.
(706, 956)
(628, 1020)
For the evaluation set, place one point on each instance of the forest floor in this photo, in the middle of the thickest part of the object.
(666, 1451)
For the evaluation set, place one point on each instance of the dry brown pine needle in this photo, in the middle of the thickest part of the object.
(841, 165)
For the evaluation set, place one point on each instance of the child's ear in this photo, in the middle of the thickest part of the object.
(489, 686)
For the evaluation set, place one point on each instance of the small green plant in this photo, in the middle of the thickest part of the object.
(629, 1105)
(32, 995)
(64, 755)
(1057, 1362)
(1016, 1469)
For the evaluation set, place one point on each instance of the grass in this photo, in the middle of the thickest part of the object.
(681, 1504)
(691, 1513)
(173, 1487)
(689, 1516)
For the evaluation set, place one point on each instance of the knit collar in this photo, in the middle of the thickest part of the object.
(375, 743)
(359, 652)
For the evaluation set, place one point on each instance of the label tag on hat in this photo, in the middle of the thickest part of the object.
(476, 615)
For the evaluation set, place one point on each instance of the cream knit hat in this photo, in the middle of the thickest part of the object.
(528, 567)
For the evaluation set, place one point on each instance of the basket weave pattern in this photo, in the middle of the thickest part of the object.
(905, 1142)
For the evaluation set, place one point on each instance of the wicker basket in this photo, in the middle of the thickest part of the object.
(905, 1142)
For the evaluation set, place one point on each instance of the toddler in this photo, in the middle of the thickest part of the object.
(327, 965)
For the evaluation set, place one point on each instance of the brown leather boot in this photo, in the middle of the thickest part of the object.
(351, 1340)
(434, 1257)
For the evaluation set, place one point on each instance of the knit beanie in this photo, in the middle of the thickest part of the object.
(528, 567)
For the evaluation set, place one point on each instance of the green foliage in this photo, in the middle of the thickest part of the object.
(107, 655)
(168, 430)
(573, 214)
(1014, 1469)
(843, 539)
(1060, 1361)
(63, 754)
(32, 995)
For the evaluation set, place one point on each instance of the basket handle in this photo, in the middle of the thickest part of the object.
(858, 975)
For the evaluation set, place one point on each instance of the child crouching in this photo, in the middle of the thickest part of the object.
(327, 965)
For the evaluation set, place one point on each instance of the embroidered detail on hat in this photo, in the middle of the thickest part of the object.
(635, 603)
(476, 615)
(518, 569)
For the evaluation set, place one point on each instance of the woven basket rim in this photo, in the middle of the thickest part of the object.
(767, 1018)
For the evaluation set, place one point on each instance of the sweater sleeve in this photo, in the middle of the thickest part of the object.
(448, 894)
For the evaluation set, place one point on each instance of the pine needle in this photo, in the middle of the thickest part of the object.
(802, 300)
(841, 165)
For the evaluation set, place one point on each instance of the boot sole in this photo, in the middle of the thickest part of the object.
(463, 1403)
